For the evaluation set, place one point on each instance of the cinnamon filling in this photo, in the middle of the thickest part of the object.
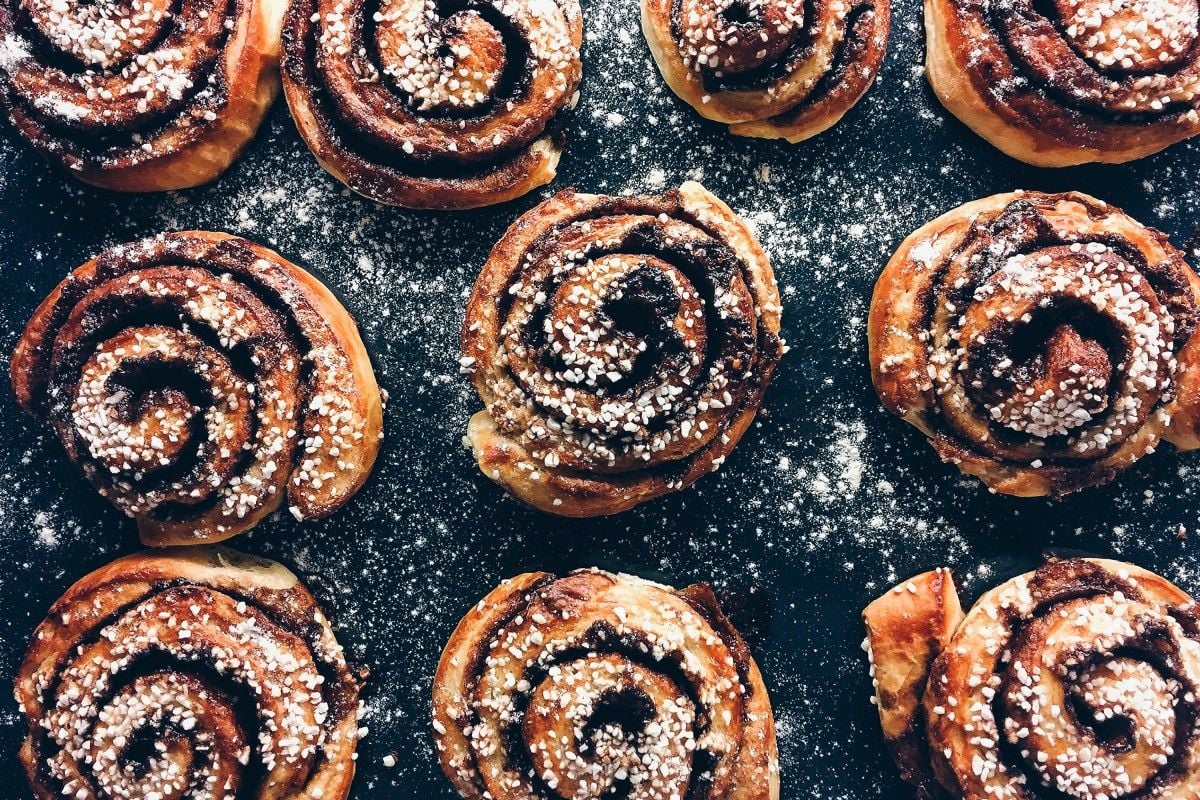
(628, 342)
(1093, 696)
(1048, 348)
(574, 697)
(756, 45)
(453, 89)
(1119, 62)
(112, 83)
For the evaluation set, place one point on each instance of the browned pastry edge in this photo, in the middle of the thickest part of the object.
(249, 83)
(391, 177)
(606, 610)
(269, 598)
(900, 345)
(933, 667)
(854, 44)
(906, 630)
(1060, 136)
(315, 315)
(580, 493)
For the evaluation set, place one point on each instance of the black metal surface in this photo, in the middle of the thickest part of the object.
(826, 502)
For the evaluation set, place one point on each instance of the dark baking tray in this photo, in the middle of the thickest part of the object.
(826, 502)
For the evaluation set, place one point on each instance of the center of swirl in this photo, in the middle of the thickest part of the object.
(160, 731)
(440, 63)
(614, 309)
(1087, 701)
(1130, 706)
(103, 33)
(132, 422)
(159, 403)
(1131, 35)
(603, 726)
(1059, 337)
(738, 35)
(1058, 388)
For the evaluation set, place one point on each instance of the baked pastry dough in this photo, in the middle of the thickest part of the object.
(197, 379)
(1071, 81)
(429, 105)
(195, 673)
(1074, 681)
(139, 97)
(622, 346)
(598, 685)
(775, 69)
(1043, 343)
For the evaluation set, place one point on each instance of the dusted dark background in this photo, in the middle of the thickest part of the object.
(827, 501)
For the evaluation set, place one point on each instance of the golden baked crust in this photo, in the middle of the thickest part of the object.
(1075, 680)
(167, 97)
(197, 379)
(184, 648)
(1043, 343)
(621, 346)
(1107, 82)
(617, 681)
(780, 69)
(907, 629)
(434, 108)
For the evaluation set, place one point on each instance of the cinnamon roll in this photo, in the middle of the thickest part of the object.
(1075, 681)
(433, 105)
(621, 345)
(139, 96)
(598, 685)
(775, 69)
(1070, 81)
(197, 379)
(196, 673)
(1043, 343)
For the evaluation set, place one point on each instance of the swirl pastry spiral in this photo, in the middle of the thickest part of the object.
(139, 95)
(598, 685)
(196, 379)
(774, 69)
(191, 673)
(1043, 343)
(444, 105)
(1074, 682)
(1068, 82)
(621, 345)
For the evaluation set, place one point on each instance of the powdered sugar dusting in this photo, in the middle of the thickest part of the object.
(795, 557)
